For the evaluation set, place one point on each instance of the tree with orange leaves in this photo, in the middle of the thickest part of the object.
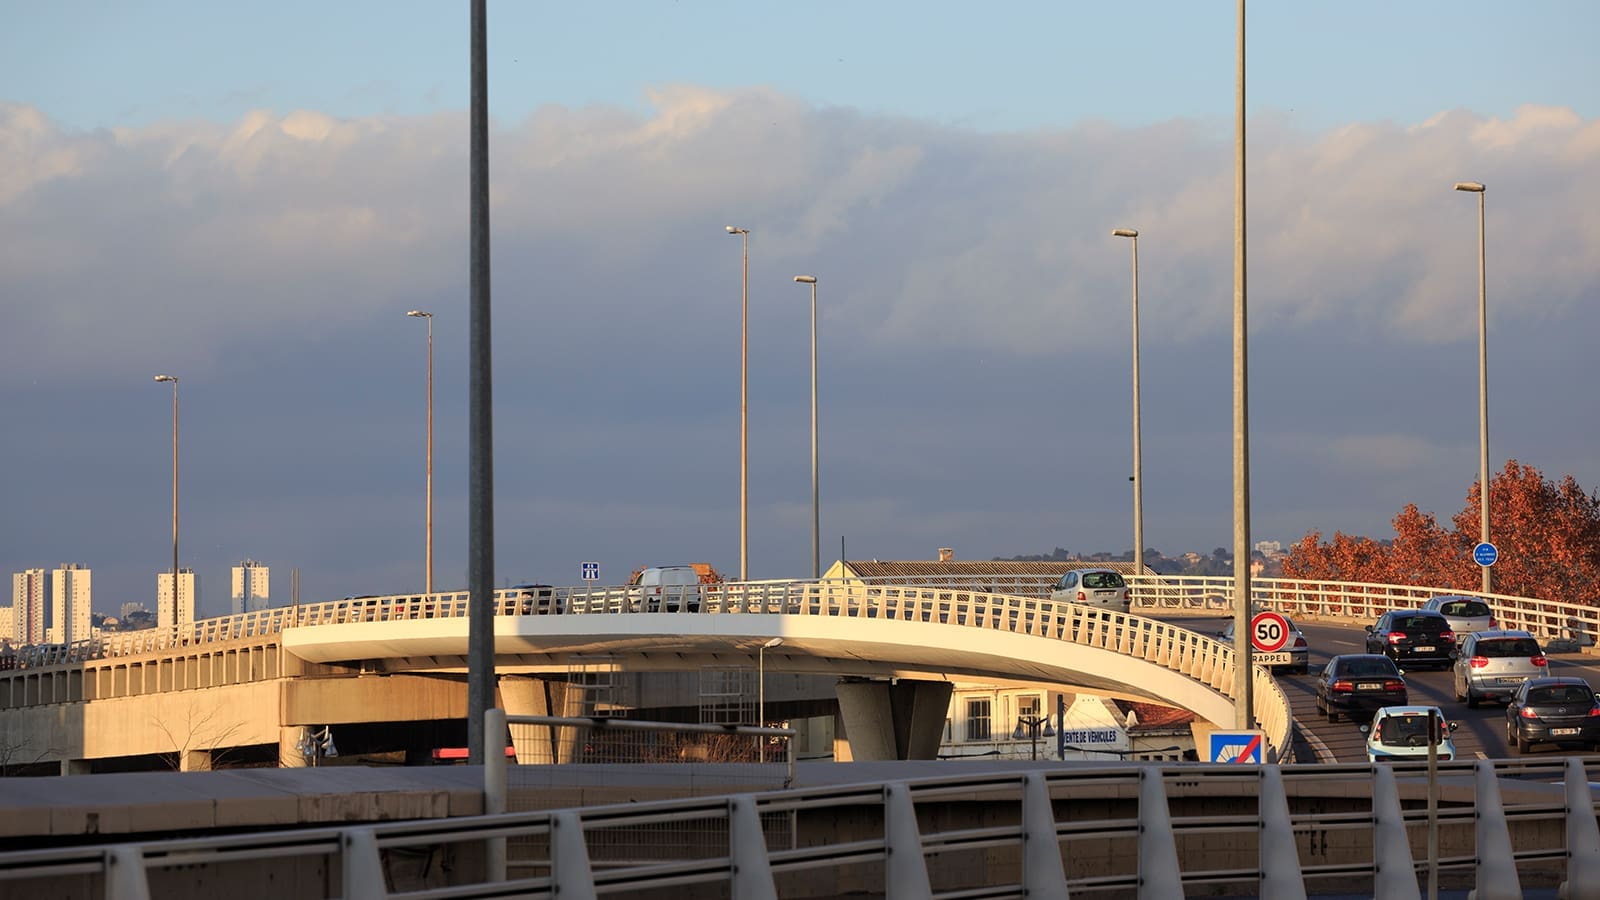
(1548, 534)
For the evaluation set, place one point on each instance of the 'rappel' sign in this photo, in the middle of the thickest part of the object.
(1269, 632)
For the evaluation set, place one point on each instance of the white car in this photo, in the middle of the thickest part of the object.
(1401, 732)
(1100, 588)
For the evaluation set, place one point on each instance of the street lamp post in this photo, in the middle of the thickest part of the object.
(1032, 723)
(1138, 458)
(1476, 187)
(744, 410)
(175, 607)
(816, 518)
(761, 688)
(428, 567)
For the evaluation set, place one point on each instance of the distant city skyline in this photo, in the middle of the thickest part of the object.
(252, 201)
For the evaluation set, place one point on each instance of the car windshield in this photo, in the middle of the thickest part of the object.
(1470, 608)
(1406, 731)
(1570, 694)
(1359, 667)
(1508, 647)
(1102, 580)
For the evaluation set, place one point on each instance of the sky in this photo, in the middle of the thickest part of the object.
(251, 199)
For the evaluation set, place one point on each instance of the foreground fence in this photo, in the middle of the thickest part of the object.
(1158, 831)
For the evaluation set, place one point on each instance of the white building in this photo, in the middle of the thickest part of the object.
(249, 587)
(1012, 721)
(70, 586)
(169, 613)
(28, 590)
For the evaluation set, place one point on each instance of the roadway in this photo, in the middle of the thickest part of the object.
(1482, 731)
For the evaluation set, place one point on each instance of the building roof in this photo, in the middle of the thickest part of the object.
(925, 568)
(1154, 716)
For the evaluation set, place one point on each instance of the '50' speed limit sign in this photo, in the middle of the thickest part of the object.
(1269, 632)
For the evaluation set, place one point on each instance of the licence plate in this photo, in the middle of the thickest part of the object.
(1507, 682)
(1370, 686)
(1563, 732)
(1424, 649)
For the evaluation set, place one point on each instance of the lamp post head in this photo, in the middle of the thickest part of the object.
(419, 314)
(772, 643)
(1125, 232)
(806, 279)
(171, 378)
(1475, 187)
(732, 229)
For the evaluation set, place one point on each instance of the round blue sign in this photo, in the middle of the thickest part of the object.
(1485, 554)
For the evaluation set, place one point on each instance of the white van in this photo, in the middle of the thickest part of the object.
(669, 589)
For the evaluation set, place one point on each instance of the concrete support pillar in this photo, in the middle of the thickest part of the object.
(529, 696)
(289, 755)
(75, 767)
(194, 761)
(903, 720)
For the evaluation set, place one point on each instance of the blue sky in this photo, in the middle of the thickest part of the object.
(1012, 66)
(252, 200)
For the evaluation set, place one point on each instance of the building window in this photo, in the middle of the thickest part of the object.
(1027, 706)
(978, 719)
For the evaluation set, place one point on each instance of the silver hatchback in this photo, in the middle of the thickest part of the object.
(1465, 614)
(1493, 664)
(1102, 588)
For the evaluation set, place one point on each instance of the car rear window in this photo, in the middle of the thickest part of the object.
(1465, 608)
(1501, 648)
(1103, 580)
(1421, 623)
(1375, 666)
(1565, 693)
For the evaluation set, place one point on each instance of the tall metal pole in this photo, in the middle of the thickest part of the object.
(480, 477)
(176, 608)
(1483, 384)
(428, 577)
(1243, 686)
(744, 408)
(816, 516)
(1138, 456)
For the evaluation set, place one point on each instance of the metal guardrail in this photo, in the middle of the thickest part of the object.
(875, 831)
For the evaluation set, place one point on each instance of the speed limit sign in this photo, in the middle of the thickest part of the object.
(1269, 632)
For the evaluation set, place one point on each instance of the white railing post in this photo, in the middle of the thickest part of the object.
(906, 869)
(1043, 875)
(1159, 875)
(1394, 870)
(747, 852)
(361, 865)
(1280, 855)
(1497, 867)
(125, 875)
(1583, 837)
(571, 878)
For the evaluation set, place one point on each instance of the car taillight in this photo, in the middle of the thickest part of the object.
(1447, 635)
(1478, 662)
(1528, 713)
(1491, 623)
(1127, 595)
(1540, 661)
(1394, 684)
(1081, 597)
(1594, 711)
(1299, 642)
(1396, 637)
(1343, 687)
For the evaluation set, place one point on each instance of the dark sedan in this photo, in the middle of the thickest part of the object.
(1553, 710)
(1414, 636)
(1359, 683)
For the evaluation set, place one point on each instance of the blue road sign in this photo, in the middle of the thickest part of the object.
(591, 571)
(1485, 554)
(1236, 747)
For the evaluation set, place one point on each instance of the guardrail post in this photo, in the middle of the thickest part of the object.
(1043, 875)
(1583, 837)
(361, 866)
(570, 875)
(494, 789)
(125, 874)
(1497, 868)
(1394, 871)
(906, 869)
(747, 852)
(1280, 856)
(1159, 875)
